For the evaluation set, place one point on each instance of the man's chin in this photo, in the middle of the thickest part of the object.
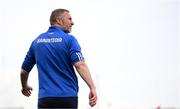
(67, 31)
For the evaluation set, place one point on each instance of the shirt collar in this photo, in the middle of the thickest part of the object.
(55, 27)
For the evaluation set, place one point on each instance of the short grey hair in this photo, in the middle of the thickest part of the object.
(56, 13)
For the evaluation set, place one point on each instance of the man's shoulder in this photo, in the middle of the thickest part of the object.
(68, 37)
(38, 37)
(71, 37)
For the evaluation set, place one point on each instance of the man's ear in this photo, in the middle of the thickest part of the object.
(59, 21)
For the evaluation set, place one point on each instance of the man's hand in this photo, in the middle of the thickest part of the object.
(92, 97)
(26, 91)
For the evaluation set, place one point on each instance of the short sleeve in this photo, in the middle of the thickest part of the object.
(75, 51)
(29, 60)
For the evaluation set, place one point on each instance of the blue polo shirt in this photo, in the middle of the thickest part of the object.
(54, 53)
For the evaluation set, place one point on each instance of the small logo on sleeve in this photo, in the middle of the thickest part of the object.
(80, 56)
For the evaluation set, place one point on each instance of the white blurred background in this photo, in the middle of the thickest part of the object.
(132, 48)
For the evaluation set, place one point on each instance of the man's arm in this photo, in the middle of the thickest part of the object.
(84, 72)
(26, 90)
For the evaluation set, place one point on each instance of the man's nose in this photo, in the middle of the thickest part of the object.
(72, 23)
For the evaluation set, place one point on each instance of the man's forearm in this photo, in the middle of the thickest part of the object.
(84, 72)
(24, 77)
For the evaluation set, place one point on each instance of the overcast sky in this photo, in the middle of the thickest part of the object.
(131, 47)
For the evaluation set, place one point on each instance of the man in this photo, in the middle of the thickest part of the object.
(55, 52)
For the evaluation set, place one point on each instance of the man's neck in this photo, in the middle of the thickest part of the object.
(56, 25)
